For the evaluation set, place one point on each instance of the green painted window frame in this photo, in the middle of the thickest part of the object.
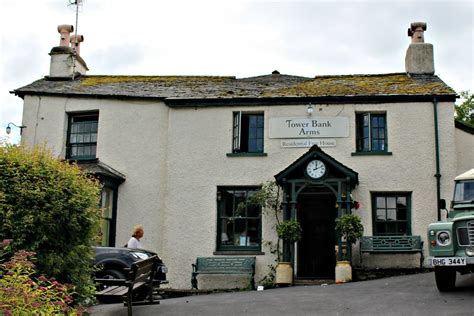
(392, 227)
(229, 217)
(82, 135)
(107, 220)
(248, 132)
(369, 132)
(109, 186)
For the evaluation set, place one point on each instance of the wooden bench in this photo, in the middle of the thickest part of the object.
(140, 275)
(223, 265)
(392, 244)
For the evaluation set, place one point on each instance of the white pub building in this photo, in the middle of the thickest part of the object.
(178, 153)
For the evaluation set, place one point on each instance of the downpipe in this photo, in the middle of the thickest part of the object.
(437, 174)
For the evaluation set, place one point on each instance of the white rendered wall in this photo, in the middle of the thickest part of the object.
(175, 158)
(197, 163)
(131, 139)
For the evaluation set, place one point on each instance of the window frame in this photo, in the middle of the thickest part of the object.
(360, 136)
(237, 133)
(112, 185)
(407, 221)
(109, 221)
(70, 145)
(220, 204)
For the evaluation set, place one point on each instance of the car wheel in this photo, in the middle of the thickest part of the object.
(110, 274)
(113, 274)
(138, 295)
(445, 278)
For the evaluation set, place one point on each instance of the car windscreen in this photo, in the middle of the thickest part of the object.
(464, 192)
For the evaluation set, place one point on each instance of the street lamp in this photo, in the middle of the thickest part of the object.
(9, 129)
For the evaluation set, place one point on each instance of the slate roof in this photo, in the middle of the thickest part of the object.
(231, 88)
(99, 168)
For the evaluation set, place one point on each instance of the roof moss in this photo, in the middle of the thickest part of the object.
(390, 84)
(99, 80)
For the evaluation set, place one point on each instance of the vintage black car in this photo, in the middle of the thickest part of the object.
(113, 262)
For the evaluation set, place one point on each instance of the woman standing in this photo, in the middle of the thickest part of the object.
(137, 234)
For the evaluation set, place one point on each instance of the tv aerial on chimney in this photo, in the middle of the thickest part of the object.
(76, 38)
(77, 4)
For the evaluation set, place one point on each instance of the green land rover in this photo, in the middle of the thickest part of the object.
(451, 243)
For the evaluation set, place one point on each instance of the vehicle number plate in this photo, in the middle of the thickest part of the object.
(448, 261)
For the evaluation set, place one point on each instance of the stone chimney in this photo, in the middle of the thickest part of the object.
(419, 57)
(65, 60)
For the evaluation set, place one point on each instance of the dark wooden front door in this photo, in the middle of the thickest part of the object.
(316, 258)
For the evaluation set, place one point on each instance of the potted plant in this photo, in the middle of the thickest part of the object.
(290, 231)
(269, 198)
(351, 229)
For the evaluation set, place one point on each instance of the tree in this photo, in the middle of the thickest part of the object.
(50, 207)
(465, 110)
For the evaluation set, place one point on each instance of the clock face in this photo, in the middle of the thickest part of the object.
(316, 169)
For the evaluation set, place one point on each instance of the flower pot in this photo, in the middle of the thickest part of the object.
(343, 271)
(284, 273)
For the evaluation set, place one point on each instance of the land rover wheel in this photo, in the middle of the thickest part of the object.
(445, 278)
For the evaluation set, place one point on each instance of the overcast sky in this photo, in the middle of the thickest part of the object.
(232, 37)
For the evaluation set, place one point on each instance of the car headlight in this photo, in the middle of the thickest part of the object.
(164, 269)
(470, 251)
(443, 238)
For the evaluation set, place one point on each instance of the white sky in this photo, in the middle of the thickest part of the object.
(242, 38)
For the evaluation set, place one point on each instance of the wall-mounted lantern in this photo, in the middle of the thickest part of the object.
(9, 129)
(310, 109)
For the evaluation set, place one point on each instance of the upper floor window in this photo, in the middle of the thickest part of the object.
(371, 132)
(238, 228)
(391, 213)
(247, 133)
(82, 136)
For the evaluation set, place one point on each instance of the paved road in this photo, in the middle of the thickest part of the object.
(401, 295)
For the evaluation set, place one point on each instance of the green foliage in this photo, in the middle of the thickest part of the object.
(350, 227)
(465, 110)
(23, 294)
(268, 281)
(289, 230)
(268, 197)
(50, 207)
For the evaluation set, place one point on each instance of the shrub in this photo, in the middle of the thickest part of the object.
(50, 207)
(23, 294)
(350, 227)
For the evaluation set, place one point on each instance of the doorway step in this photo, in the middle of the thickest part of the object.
(302, 281)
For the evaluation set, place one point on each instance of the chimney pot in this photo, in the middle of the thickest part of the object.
(65, 60)
(76, 40)
(65, 31)
(416, 32)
